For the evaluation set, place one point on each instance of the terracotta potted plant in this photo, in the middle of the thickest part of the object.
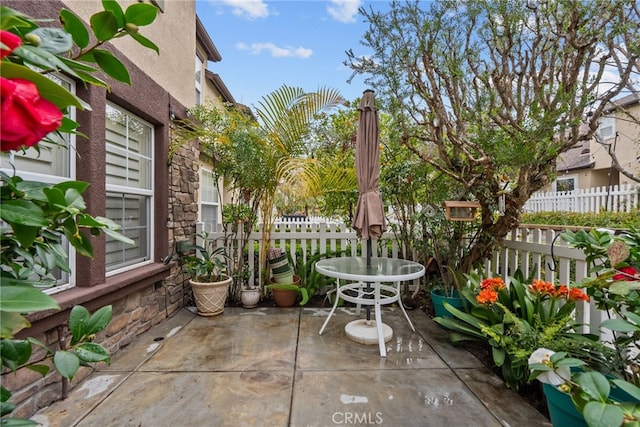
(209, 275)
(284, 283)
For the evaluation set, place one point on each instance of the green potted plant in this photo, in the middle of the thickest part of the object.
(249, 295)
(609, 394)
(284, 283)
(238, 221)
(445, 244)
(210, 279)
(518, 316)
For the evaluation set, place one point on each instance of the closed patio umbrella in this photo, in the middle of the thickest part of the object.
(369, 220)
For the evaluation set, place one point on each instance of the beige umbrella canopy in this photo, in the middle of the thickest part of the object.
(369, 220)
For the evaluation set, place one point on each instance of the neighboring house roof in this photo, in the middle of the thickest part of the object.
(205, 41)
(220, 86)
(577, 157)
(625, 101)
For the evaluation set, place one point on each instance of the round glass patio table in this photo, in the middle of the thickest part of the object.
(367, 284)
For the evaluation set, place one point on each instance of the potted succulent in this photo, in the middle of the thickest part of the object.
(210, 279)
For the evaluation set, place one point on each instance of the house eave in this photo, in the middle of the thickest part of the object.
(205, 41)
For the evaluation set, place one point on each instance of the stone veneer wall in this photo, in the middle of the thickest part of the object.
(184, 183)
(133, 314)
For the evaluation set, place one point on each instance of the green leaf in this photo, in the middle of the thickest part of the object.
(118, 236)
(23, 212)
(594, 384)
(88, 78)
(499, 355)
(66, 364)
(78, 319)
(305, 296)
(111, 65)
(623, 287)
(16, 422)
(11, 323)
(90, 352)
(79, 186)
(599, 414)
(620, 325)
(15, 352)
(99, 320)
(43, 59)
(459, 326)
(25, 234)
(25, 299)
(48, 89)
(77, 239)
(141, 14)
(104, 25)
(145, 42)
(114, 7)
(12, 18)
(53, 40)
(74, 26)
(41, 369)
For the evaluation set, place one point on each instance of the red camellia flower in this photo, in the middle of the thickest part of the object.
(629, 272)
(10, 40)
(26, 117)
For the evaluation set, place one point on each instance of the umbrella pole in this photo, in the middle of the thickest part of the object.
(368, 283)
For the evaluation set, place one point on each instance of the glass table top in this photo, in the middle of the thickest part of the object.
(380, 270)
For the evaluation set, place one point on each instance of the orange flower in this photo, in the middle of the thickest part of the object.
(561, 291)
(493, 283)
(542, 288)
(577, 295)
(487, 296)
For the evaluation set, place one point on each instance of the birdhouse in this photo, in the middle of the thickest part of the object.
(456, 210)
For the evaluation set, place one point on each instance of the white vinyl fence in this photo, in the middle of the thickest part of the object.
(537, 252)
(541, 253)
(615, 198)
(313, 238)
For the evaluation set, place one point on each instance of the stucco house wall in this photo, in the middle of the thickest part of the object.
(161, 91)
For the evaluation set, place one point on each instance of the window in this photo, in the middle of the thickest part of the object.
(129, 184)
(199, 74)
(566, 184)
(52, 165)
(209, 200)
(607, 128)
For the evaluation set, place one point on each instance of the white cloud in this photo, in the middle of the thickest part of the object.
(250, 9)
(276, 51)
(344, 10)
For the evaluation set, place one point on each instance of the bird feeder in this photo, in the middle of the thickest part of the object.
(456, 210)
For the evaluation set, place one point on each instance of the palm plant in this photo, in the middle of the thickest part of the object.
(285, 117)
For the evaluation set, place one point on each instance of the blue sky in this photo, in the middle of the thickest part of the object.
(265, 44)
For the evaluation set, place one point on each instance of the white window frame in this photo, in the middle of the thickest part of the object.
(148, 193)
(204, 171)
(607, 127)
(199, 72)
(67, 280)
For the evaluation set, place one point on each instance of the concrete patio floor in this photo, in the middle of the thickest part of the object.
(269, 367)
